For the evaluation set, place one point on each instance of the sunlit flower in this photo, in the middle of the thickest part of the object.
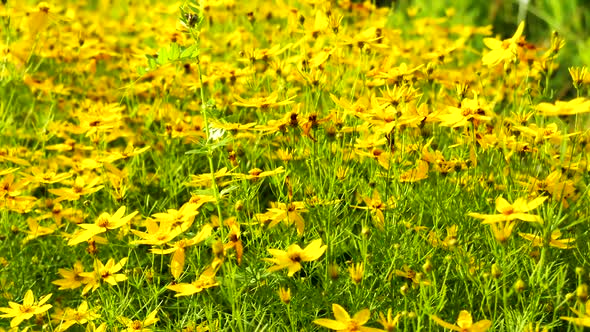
(292, 258)
(502, 51)
(104, 273)
(464, 323)
(139, 325)
(178, 248)
(263, 102)
(357, 272)
(26, 310)
(579, 75)
(554, 240)
(571, 107)
(69, 317)
(389, 322)
(516, 211)
(583, 318)
(103, 223)
(285, 295)
(72, 279)
(417, 278)
(344, 322)
(205, 280)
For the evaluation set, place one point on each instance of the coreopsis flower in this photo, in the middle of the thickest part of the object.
(104, 273)
(555, 184)
(376, 206)
(464, 323)
(79, 188)
(129, 152)
(103, 223)
(357, 272)
(73, 278)
(389, 322)
(344, 322)
(47, 177)
(26, 310)
(139, 325)
(417, 278)
(448, 242)
(503, 230)
(471, 111)
(554, 240)
(502, 51)
(292, 258)
(579, 76)
(36, 230)
(11, 188)
(157, 233)
(420, 172)
(285, 294)
(178, 248)
(263, 102)
(516, 211)
(205, 280)
(583, 318)
(204, 180)
(570, 107)
(64, 319)
(256, 173)
(40, 17)
(182, 217)
(289, 213)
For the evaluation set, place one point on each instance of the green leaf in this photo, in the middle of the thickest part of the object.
(174, 52)
(189, 51)
(152, 63)
(163, 56)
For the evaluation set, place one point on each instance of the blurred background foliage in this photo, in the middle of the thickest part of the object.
(569, 18)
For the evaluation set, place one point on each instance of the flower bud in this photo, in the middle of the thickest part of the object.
(519, 286)
(496, 272)
(582, 292)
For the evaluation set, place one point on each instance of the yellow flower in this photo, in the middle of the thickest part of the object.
(68, 317)
(103, 223)
(256, 173)
(72, 279)
(571, 107)
(502, 230)
(263, 102)
(344, 322)
(29, 308)
(103, 273)
(471, 111)
(516, 211)
(285, 295)
(583, 319)
(417, 278)
(178, 248)
(502, 51)
(79, 188)
(579, 75)
(554, 241)
(292, 258)
(389, 323)
(357, 272)
(139, 325)
(464, 323)
(205, 280)
(289, 213)
(39, 176)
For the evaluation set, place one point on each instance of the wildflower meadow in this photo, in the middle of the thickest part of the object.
(294, 165)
